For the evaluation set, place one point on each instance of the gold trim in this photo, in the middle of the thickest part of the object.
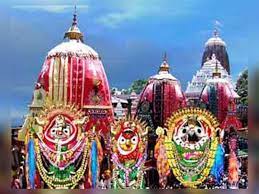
(56, 79)
(211, 122)
(61, 80)
(62, 183)
(71, 79)
(51, 77)
(201, 114)
(76, 87)
(66, 80)
(97, 107)
(83, 83)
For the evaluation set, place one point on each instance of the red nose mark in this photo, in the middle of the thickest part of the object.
(59, 132)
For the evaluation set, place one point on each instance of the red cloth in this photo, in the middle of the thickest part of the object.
(81, 81)
(172, 98)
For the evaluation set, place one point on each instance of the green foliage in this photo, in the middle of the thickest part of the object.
(138, 85)
(242, 87)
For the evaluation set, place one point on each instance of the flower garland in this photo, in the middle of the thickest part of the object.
(172, 159)
(54, 182)
(127, 170)
(134, 184)
(69, 156)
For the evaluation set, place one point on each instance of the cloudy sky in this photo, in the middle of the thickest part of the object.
(131, 37)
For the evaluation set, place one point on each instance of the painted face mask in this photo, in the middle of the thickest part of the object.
(61, 146)
(129, 140)
(60, 130)
(191, 144)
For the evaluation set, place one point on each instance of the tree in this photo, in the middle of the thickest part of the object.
(138, 85)
(242, 87)
(242, 91)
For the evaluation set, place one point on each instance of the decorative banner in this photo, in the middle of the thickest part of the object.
(61, 145)
(163, 167)
(129, 140)
(191, 144)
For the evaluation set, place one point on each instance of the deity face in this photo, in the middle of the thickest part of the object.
(62, 145)
(60, 130)
(191, 142)
(127, 141)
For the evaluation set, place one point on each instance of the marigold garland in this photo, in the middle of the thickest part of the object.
(171, 151)
(61, 183)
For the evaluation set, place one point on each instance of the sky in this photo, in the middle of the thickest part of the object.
(130, 36)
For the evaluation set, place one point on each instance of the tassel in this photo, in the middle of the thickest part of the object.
(94, 163)
(218, 166)
(31, 163)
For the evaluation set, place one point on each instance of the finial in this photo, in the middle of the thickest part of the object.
(164, 66)
(75, 17)
(165, 56)
(73, 32)
(217, 24)
(216, 32)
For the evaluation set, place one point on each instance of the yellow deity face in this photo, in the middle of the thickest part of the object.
(127, 142)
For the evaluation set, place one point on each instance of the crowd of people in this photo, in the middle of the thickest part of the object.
(18, 163)
(18, 179)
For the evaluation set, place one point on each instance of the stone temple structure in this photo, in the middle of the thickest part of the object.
(198, 81)
(215, 45)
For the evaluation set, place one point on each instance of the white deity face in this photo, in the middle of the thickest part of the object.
(127, 142)
(60, 130)
(191, 139)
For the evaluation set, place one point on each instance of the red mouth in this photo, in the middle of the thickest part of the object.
(192, 155)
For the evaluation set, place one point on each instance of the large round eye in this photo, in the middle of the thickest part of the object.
(66, 131)
(182, 132)
(53, 131)
(134, 139)
(122, 140)
(199, 131)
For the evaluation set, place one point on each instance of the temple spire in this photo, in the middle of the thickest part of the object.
(73, 32)
(164, 66)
